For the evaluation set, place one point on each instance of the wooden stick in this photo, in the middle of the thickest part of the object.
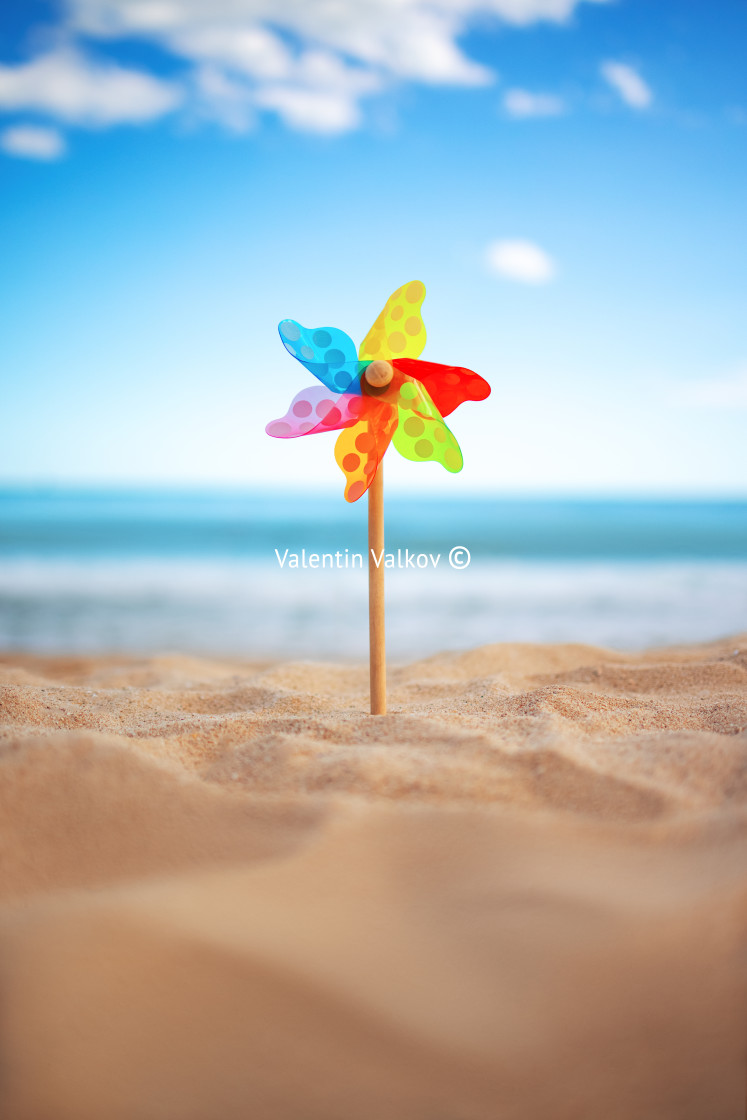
(377, 652)
(378, 374)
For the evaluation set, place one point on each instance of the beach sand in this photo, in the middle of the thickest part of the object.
(228, 892)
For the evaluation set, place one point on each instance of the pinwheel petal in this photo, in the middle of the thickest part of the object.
(399, 331)
(328, 353)
(448, 386)
(360, 449)
(315, 409)
(421, 434)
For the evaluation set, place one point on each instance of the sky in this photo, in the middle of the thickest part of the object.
(567, 177)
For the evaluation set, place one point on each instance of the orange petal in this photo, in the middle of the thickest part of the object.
(360, 449)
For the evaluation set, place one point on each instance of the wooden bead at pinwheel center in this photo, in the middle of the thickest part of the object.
(379, 373)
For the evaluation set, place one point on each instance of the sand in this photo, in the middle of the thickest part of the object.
(227, 892)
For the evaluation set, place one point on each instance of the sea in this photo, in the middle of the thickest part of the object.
(158, 571)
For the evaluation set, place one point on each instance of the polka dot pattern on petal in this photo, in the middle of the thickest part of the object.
(325, 351)
(278, 429)
(334, 416)
(448, 386)
(421, 434)
(334, 358)
(358, 449)
(399, 330)
(301, 408)
(477, 389)
(365, 442)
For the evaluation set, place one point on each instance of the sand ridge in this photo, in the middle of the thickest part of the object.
(226, 890)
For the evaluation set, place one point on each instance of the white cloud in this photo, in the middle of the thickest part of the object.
(33, 142)
(67, 85)
(723, 392)
(310, 61)
(520, 260)
(317, 93)
(341, 20)
(322, 95)
(524, 12)
(413, 39)
(257, 51)
(254, 51)
(628, 84)
(312, 110)
(222, 98)
(522, 104)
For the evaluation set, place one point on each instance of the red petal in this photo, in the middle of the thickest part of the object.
(449, 386)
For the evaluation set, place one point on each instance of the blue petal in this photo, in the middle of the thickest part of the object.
(326, 352)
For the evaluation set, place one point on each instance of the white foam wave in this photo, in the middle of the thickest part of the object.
(245, 607)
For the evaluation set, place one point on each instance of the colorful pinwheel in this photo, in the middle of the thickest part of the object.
(382, 393)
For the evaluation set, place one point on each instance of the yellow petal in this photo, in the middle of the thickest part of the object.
(398, 331)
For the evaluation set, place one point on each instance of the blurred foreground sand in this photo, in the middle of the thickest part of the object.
(227, 892)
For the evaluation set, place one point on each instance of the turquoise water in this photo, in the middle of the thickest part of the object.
(119, 570)
(201, 524)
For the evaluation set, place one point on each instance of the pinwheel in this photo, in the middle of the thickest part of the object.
(380, 394)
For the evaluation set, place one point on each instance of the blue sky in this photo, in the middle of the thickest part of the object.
(566, 176)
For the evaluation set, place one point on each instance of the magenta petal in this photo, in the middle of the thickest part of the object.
(316, 409)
